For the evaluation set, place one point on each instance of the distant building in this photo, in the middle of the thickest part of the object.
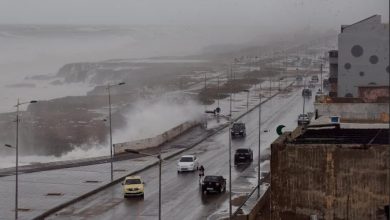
(331, 172)
(333, 72)
(363, 57)
(359, 74)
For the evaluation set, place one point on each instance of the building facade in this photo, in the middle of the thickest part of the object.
(363, 56)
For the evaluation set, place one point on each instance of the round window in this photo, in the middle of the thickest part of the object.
(357, 51)
(374, 59)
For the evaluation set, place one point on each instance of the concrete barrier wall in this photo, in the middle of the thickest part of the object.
(155, 141)
(372, 112)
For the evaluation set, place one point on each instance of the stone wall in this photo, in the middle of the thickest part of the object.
(330, 181)
(156, 140)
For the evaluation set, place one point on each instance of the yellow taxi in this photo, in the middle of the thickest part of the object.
(133, 186)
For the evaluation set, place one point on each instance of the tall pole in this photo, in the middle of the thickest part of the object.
(270, 86)
(109, 113)
(247, 101)
(205, 95)
(259, 153)
(230, 106)
(218, 91)
(205, 81)
(304, 103)
(159, 186)
(230, 166)
(17, 161)
(321, 77)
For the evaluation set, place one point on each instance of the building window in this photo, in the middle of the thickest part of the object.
(374, 59)
(372, 84)
(361, 73)
(357, 51)
(347, 66)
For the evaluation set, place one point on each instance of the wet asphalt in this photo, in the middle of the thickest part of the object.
(181, 194)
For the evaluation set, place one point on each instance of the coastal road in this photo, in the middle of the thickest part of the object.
(181, 195)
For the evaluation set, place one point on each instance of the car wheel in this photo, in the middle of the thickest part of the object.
(143, 196)
(224, 189)
(178, 172)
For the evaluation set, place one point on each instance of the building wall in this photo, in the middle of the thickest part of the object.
(359, 112)
(363, 56)
(332, 182)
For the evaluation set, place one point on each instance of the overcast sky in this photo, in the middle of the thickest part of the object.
(192, 12)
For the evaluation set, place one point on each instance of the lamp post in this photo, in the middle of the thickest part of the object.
(270, 87)
(159, 175)
(259, 163)
(218, 91)
(108, 87)
(321, 77)
(230, 166)
(230, 158)
(247, 98)
(17, 153)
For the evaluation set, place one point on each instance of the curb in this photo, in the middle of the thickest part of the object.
(77, 199)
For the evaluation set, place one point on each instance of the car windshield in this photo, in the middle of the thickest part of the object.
(211, 178)
(238, 126)
(242, 151)
(133, 181)
(187, 159)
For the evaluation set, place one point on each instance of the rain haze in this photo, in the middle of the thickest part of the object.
(190, 105)
(39, 38)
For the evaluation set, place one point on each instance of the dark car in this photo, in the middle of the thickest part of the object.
(303, 119)
(238, 129)
(306, 92)
(314, 79)
(243, 155)
(213, 184)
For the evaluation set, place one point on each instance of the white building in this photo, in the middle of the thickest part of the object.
(363, 56)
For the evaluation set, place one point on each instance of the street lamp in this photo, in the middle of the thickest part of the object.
(259, 163)
(247, 98)
(108, 87)
(230, 165)
(17, 153)
(159, 175)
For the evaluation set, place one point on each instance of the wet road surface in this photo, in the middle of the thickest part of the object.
(181, 195)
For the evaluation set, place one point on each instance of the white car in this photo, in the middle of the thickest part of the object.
(187, 163)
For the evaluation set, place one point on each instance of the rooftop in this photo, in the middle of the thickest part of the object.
(337, 135)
